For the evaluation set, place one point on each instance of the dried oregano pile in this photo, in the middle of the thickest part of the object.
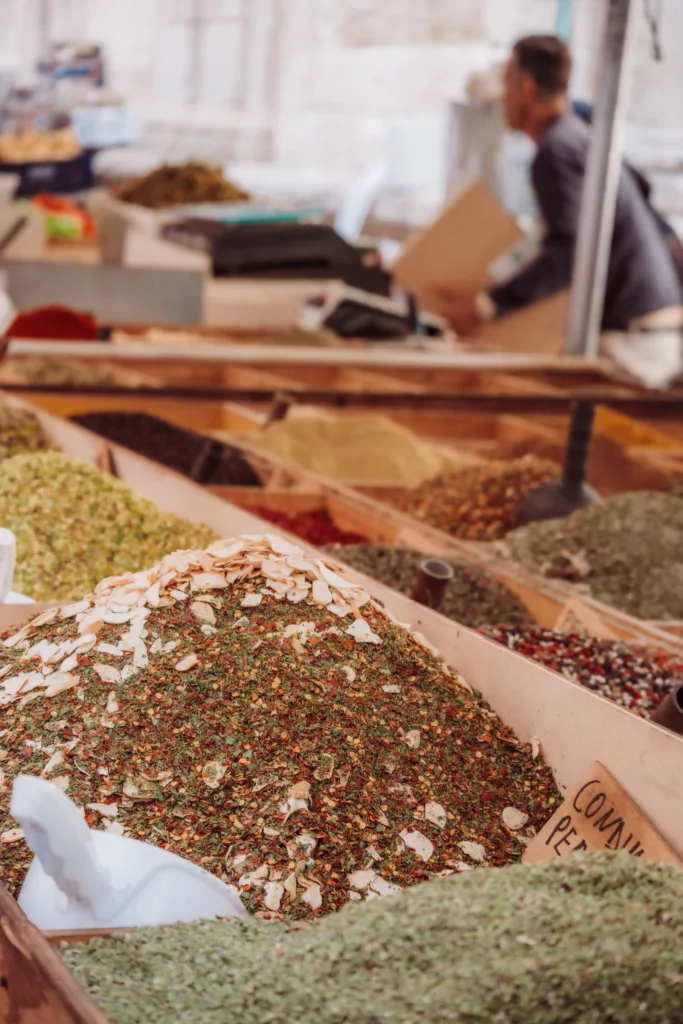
(250, 708)
(20, 431)
(627, 552)
(74, 525)
(471, 596)
(589, 939)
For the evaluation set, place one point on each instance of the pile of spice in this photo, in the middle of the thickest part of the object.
(612, 468)
(53, 323)
(74, 525)
(202, 459)
(630, 432)
(180, 184)
(59, 371)
(357, 447)
(20, 432)
(316, 527)
(627, 552)
(471, 598)
(582, 939)
(482, 503)
(251, 709)
(636, 678)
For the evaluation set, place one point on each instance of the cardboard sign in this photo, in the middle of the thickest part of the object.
(576, 617)
(598, 816)
(457, 249)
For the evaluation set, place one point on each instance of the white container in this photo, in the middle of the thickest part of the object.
(86, 879)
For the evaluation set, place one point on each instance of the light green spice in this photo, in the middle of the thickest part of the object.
(76, 525)
(627, 552)
(20, 431)
(587, 940)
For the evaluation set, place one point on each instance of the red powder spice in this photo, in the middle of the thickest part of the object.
(316, 527)
(53, 323)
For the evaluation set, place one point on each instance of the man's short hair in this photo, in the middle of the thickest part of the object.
(547, 61)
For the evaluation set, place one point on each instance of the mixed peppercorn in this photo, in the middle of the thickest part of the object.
(250, 708)
(634, 677)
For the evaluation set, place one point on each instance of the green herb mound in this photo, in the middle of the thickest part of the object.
(628, 552)
(471, 598)
(76, 525)
(593, 939)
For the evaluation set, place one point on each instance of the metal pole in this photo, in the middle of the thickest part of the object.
(599, 200)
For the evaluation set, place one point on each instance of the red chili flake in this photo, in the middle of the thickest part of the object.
(316, 527)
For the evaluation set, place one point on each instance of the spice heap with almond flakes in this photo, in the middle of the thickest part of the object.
(250, 708)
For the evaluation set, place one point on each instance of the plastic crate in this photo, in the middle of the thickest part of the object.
(56, 176)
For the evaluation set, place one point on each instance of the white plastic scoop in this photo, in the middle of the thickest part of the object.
(86, 879)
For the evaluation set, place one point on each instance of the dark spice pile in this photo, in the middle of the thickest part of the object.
(471, 597)
(636, 678)
(316, 527)
(482, 503)
(583, 940)
(203, 459)
(627, 552)
(178, 184)
(234, 706)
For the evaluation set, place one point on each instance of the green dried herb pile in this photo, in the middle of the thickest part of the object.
(250, 708)
(75, 525)
(627, 552)
(591, 938)
(20, 431)
(471, 597)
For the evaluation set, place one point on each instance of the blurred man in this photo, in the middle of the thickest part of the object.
(643, 311)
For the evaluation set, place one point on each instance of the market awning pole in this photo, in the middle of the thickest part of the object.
(591, 259)
(599, 200)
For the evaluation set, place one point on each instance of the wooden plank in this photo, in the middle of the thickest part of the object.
(367, 356)
(36, 987)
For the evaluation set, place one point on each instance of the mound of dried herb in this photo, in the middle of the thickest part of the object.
(637, 678)
(74, 525)
(472, 597)
(20, 431)
(627, 552)
(251, 709)
(60, 371)
(482, 503)
(591, 938)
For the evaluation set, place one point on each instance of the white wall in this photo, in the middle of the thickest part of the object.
(321, 83)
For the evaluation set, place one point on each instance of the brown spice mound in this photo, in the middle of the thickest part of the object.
(176, 185)
(239, 710)
(482, 503)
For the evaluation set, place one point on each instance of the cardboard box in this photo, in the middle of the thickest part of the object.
(457, 250)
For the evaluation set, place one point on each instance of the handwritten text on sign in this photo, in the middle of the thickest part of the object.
(597, 816)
